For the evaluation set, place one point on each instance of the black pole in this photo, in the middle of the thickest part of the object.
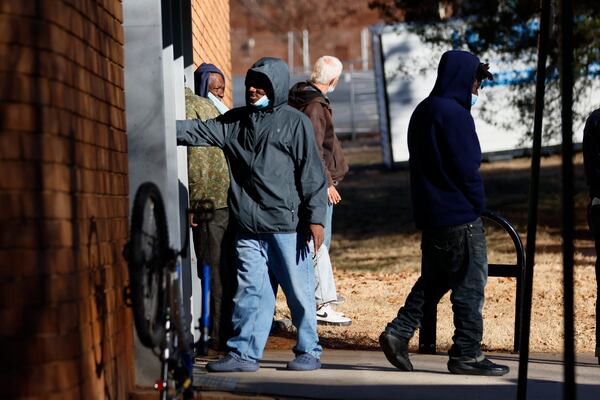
(566, 89)
(186, 32)
(534, 183)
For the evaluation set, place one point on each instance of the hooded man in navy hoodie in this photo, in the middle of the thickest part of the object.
(447, 198)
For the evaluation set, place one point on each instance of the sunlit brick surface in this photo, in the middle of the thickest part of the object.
(65, 333)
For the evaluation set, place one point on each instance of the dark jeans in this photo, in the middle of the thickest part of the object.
(214, 244)
(453, 258)
(594, 224)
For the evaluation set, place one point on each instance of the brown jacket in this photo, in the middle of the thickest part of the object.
(311, 101)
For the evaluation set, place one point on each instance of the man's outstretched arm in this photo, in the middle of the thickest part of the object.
(194, 132)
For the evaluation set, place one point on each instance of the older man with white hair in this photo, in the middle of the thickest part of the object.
(310, 97)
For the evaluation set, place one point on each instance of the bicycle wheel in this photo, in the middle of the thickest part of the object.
(182, 364)
(148, 254)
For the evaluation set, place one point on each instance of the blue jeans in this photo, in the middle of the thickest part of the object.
(326, 290)
(453, 258)
(286, 258)
(328, 223)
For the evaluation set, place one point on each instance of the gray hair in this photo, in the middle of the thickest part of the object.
(326, 69)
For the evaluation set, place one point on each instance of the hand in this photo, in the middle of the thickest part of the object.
(191, 220)
(333, 195)
(317, 234)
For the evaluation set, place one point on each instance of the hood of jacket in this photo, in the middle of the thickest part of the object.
(274, 71)
(304, 93)
(456, 74)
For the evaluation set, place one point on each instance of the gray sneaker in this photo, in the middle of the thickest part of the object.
(304, 362)
(232, 363)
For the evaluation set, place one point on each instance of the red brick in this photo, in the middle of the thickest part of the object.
(30, 205)
(25, 263)
(54, 377)
(18, 175)
(56, 177)
(17, 263)
(63, 155)
(25, 8)
(50, 320)
(9, 146)
(19, 117)
(42, 290)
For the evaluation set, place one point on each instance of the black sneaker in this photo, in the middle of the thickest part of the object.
(396, 351)
(484, 367)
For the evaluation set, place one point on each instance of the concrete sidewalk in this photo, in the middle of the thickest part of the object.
(367, 375)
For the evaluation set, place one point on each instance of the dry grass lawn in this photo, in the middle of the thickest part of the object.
(376, 256)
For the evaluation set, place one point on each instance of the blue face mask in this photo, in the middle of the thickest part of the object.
(261, 103)
(473, 99)
(330, 89)
(218, 103)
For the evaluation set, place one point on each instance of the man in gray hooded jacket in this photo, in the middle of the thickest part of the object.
(278, 198)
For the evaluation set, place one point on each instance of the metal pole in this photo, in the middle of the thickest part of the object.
(305, 55)
(364, 48)
(534, 183)
(566, 89)
(290, 37)
(352, 102)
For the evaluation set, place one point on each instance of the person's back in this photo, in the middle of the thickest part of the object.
(207, 168)
(445, 155)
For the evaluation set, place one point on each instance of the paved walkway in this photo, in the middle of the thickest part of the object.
(367, 375)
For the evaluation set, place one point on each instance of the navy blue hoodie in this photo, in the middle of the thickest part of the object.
(445, 155)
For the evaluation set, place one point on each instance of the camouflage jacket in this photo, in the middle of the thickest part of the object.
(207, 168)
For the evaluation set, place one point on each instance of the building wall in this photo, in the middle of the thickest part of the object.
(251, 39)
(65, 331)
(211, 38)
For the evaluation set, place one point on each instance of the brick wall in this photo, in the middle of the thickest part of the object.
(211, 38)
(65, 332)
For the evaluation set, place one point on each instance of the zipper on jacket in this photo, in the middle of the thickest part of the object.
(291, 202)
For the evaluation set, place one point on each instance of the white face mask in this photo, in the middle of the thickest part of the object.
(218, 103)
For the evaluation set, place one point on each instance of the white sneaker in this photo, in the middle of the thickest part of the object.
(326, 315)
